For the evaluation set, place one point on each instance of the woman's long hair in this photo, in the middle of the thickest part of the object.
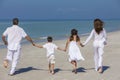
(98, 25)
(74, 32)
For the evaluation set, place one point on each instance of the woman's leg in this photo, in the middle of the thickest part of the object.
(96, 58)
(100, 50)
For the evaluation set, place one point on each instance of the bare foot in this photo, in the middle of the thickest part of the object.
(100, 70)
(53, 72)
(5, 63)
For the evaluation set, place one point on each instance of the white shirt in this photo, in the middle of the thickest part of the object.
(50, 47)
(15, 35)
(97, 37)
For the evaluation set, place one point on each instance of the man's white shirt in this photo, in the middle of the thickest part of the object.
(14, 36)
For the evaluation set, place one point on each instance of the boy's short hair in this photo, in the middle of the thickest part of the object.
(49, 39)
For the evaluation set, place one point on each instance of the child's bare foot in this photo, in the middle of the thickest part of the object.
(75, 71)
(52, 72)
(5, 63)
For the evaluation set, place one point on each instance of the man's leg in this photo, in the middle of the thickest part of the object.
(8, 58)
(15, 61)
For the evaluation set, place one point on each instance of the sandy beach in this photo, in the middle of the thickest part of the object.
(33, 63)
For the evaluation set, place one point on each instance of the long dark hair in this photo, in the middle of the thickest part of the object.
(74, 32)
(98, 25)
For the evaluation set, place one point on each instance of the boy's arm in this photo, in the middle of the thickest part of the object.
(61, 49)
(39, 46)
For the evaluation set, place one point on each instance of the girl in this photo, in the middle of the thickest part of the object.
(99, 35)
(74, 51)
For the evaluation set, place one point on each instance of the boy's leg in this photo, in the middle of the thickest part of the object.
(49, 67)
(52, 63)
(52, 68)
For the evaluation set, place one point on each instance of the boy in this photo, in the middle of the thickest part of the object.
(50, 47)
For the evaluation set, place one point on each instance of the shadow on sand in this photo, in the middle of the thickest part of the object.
(23, 70)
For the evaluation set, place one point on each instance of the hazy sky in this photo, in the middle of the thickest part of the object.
(60, 9)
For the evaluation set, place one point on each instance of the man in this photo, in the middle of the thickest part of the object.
(14, 36)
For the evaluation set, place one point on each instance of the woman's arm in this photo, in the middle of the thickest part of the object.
(90, 36)
(105, 36)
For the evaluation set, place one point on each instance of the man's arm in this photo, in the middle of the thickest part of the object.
(29, 39)
(39, 46)
(4, 40)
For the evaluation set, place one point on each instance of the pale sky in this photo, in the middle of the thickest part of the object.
(60, 9)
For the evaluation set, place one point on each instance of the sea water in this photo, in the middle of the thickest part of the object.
(39, 30)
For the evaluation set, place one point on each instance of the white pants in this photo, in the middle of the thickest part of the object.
(13, 56)
(98, 52)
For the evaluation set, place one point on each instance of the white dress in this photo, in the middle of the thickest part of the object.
(74, 52)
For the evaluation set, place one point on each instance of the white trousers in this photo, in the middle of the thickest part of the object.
(13, 57)
(98, 52)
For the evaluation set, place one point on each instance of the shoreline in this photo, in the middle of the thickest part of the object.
(40, 40)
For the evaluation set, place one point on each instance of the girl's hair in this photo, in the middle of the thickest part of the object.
(74, 32)
(98, 25)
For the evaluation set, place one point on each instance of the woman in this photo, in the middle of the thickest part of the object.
(99, 35)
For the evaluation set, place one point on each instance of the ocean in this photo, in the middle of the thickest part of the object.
(38, 30)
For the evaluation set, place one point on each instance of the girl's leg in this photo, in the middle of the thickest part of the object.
(74, 63)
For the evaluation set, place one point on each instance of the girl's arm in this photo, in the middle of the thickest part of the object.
(39, 46)
(67, 43)
(80, 44)
(90, 36)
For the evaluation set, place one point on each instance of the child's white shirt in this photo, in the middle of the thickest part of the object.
(50, 47)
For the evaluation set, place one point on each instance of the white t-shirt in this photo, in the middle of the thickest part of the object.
(15, 35)
(50, 47)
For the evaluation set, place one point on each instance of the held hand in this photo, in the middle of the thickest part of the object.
(105, 43)
(33, 44)
(65, 50)
(6, 43)
(82, 45)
